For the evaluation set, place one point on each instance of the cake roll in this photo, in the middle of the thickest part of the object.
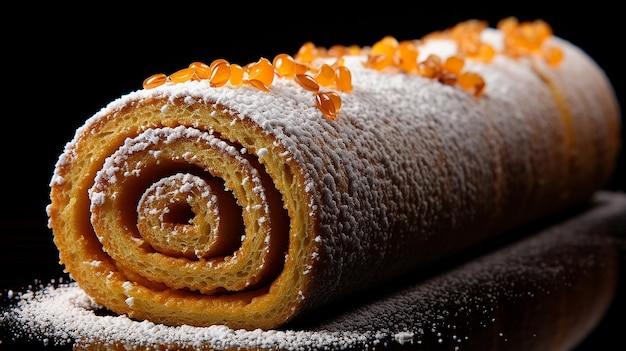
(249, 195)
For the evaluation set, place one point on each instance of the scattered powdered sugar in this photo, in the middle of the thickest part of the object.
(64, 314)
(449, 309)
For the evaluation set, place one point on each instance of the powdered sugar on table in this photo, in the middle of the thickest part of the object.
(423, 310)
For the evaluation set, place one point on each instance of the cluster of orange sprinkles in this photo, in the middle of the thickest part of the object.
(388, 54)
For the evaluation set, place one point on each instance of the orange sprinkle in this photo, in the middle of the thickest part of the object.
(284, 65)
(354, 50)
(386, 46)
(306, 53)
(553, 56)
(257, 84)
(154, 81)
(307, 82)
(182, 75)
(220, 73)
(338, 51)
(485, 52)
(426, 70)
(203, 71)
(378, 62)
(507, 25)
(236, 74)
(472, 82)
(407, 54)
(325, 75)
(454, 64)
(335, 98)
(542, 29)
(262, 70)
(338, 62)
(447, 78)
(325, 103)
(217, 62)
(431, 67)
(301, 68)
(343, 79)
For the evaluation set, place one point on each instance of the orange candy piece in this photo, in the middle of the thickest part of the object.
(306, 53)
(236, 74)
(307, 82)
(553, 56)
(182, 75)
(154, 81)
(203, 71)
(407, 54)
(262, 70)
(325, 75)
(454, 64)
(472, 82)
(258, 84)
(328, 103)
(343, 80)
(285, 65)
(220, 73)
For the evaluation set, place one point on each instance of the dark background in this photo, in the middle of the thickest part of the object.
(62, 64)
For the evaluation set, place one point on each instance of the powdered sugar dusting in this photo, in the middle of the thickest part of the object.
(65, 314)
(449, 310)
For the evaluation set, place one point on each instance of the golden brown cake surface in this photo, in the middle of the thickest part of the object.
(247, 203)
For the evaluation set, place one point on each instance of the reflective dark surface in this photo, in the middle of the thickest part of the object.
(78, 60)
(543, 286)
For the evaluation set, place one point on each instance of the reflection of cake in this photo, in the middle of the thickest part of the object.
(248, 201)
(545, 291)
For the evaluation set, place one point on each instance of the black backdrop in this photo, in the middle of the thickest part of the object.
(62, 64)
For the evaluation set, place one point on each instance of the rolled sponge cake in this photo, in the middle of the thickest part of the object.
(199, 201)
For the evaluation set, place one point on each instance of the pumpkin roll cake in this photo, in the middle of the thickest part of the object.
(249, 195)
